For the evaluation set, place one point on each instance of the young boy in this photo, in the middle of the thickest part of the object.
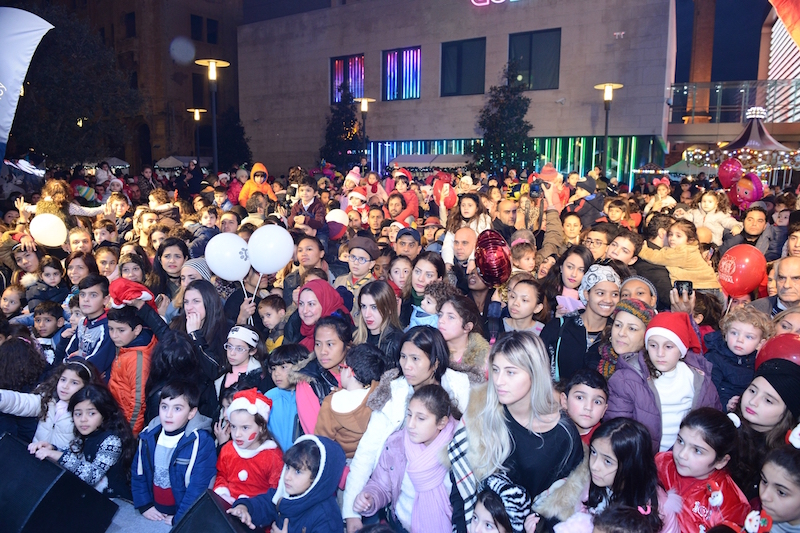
(75, 319)
(344, 415)
(131, 367)
(48, 318)
(733, 350)
(91, 340)
(309, 213)
(427, 313)
(221, 199)
(363, 253)
(272, 311)
(283, 422)
(122, 211)
(105, 233)
(173, 448)
(306, 494)
(585, 400)
(49, 286)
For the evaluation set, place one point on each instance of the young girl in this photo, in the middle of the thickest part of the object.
(378, 322)
(527, 307)
(461, 325)
(283, 422)
(26, 261)
(696, 470)
(683, 258)
(658, 388)
(49, 401)
(523, 256)
(468, 213)
(409, 475)
(712, 210)
(245, 351)
(13, 300)
(565, 277)
(780, 487)
(107, 259)
(251, 463)
(49, 286)
(617, 213)
(103, 447)
(626, 336)
(501, 507)
(134, 267)
(663, 199)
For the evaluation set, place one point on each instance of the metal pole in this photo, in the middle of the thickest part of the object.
(605, 143)
(213, 86)
(364, 121)
(197, 141)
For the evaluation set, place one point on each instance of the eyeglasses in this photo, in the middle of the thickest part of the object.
(238, 349)
(594, 243)
(359, 260)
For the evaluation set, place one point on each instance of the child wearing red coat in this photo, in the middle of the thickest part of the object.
(251, 462)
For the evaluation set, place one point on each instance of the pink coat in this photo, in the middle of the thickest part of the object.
(384, 483)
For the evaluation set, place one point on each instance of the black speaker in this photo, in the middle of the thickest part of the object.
(38, 496)
(208, 515)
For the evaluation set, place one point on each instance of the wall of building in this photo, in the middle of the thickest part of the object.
(284, 73)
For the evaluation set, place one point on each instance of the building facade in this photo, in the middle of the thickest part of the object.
(429, 65)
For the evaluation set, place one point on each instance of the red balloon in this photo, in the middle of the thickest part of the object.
(451, 198)
(783, 346)
(741, 270)
(492, 258)
(730, 171)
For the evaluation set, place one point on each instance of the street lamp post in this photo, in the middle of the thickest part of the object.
(364, 109)
(608, 93)
(196, 112)
(213, 65)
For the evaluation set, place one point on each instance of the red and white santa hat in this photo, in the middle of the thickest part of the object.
(252, 401)
(402, 172)
(677, 327)
(358, 192)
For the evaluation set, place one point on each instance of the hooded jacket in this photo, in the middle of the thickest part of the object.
(315, 510)
(730, 373)
(770, 242)
(129, 373)
(58, 431)
(251, 186)
(191, 470)
(40, 292)
(632, 392)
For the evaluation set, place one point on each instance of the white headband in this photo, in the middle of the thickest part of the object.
(245, 335)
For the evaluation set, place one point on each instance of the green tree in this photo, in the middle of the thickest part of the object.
(232, 144)
(344, 141)
(502, 122)
(77, 102)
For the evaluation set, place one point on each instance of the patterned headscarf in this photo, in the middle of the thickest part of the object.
(596, 274)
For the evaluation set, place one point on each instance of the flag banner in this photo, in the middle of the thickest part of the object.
(789, 13)
(21, 34)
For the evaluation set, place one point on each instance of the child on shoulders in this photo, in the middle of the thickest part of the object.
(427, 312)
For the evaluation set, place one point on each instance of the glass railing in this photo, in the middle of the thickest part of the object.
(727, 102)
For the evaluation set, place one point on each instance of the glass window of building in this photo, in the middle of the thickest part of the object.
(347, 70)
(212, 31)
(537, 58)
(197, 27)
(463, 67)
(401, 73)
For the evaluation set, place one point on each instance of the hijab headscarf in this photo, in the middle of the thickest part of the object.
(329, 300)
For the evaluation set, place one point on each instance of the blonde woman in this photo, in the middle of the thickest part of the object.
(378, 321)
(513, 425)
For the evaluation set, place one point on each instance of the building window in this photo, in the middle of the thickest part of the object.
(350, 70)
(463, 67)
(198, 90)
(130, 25)
(197, 28)
(212, 28)
(401, 73)
(537, 58)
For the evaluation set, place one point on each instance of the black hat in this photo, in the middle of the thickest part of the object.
(784, 376)
(588, 184)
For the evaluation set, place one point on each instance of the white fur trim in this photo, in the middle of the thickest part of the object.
(668, 334)
(242, 475)
(260, 407)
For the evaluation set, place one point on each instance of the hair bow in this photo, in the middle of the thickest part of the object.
(661, 181)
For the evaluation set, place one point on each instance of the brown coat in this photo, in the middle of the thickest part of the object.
(345, 428)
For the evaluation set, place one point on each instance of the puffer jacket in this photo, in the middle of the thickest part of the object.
(129, 373)
(632, 392)
(57, 431)
(717, 222)
(251, 186)
(730, 373)
(683, 263)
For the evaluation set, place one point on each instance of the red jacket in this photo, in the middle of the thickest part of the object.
(129, 373)
(695, 493)
(248, 473)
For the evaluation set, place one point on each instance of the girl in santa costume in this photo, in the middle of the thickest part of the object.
(696, 469)
(357, 201)
(251, 462)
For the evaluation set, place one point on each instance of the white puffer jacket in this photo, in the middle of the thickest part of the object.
(58, 432)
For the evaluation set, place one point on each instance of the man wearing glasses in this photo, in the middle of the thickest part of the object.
(598, 238)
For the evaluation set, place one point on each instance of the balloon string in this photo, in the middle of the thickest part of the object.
(244, 290)
(257, 286)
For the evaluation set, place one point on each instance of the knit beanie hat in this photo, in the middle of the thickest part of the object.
(201, 266)
(637, 308)
(596, 274)
(676, 327)
(784, 376)
(251, 401)
(515, 499)
(646, 281)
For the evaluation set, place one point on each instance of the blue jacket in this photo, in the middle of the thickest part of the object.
(193, 466)
(314, 511)
(200, 237)
(730, 373)
(93, 342)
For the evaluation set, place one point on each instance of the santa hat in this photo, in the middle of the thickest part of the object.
(122, 290)
(677, 327)
(355, 176)
(252, 401)
(358, 192)
(116, 180)
(402, 172)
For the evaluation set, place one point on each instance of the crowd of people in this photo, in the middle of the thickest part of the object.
(384, 380)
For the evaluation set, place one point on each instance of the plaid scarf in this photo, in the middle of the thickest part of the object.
(466, 482)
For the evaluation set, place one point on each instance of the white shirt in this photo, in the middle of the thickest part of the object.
(676, 391)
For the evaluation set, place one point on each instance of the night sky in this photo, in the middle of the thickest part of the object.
(737, 36)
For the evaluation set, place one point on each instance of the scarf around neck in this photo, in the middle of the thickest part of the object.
(416, 299)
(329, 300)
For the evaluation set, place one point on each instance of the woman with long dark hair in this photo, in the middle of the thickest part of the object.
(425, 269)
(169, 260)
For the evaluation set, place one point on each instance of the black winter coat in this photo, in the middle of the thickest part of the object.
(730, 373)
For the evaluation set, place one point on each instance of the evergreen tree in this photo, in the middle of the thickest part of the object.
(344, 141)
(505, 130)
(232, 145)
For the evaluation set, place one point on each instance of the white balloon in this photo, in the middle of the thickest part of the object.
(48, 230)
(227, 256)
(270, 248)
(337, 215)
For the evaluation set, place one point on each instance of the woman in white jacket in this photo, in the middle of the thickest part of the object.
(469, 212)
(50, 400)
(423, 360)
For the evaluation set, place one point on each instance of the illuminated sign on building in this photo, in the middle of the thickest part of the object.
(487, 2)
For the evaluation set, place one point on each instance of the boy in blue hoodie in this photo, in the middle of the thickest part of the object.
(91, 340)
(306, 494)
(176, 458)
